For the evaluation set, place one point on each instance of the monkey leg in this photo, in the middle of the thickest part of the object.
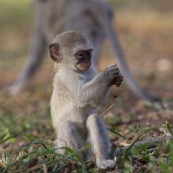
(71, 135)
(99, 139)
(35, 58)
(98, 39)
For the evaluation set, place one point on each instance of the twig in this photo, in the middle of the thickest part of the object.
(150, 144)
(134, 142)
(103, 114)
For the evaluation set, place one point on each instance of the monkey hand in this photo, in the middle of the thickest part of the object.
(118, 80)
(113, 75)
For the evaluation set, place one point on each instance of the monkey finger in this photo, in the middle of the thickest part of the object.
(121, 80)
(113, 65)
(120, 77)
(113, 72)
(118, 84)
(114, 75)
(114, 69)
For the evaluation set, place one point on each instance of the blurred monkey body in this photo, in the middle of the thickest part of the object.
(91, 17)
(78, 91)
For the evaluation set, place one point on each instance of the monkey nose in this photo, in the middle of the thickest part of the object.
(87, 63)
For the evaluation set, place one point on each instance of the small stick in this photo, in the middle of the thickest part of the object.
(104, 113)
(150, 143)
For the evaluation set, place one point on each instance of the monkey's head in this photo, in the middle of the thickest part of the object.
(72, 49)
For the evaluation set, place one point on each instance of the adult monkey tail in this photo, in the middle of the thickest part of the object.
(105, 22)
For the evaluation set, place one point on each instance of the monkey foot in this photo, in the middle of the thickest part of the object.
(13, 90)
(104, 164)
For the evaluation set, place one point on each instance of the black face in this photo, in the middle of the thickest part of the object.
(83, 58)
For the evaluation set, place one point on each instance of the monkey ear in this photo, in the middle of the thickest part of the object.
(55, 52)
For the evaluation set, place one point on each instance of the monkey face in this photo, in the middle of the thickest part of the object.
(83, 58)
(72, 50)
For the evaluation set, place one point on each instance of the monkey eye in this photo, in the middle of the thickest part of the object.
(83, 54)
(80, 55)
(89, 53)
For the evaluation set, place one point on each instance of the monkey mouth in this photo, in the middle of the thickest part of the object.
(83, 66)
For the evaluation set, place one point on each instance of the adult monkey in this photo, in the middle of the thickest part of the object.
(92, 17)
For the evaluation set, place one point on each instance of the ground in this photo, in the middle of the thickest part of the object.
(26, 134)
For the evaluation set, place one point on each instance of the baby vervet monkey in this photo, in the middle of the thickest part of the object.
(78, 91)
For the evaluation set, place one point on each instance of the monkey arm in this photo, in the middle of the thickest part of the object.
(95, 91)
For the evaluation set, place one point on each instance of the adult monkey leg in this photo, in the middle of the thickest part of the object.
(34, 60)
(41, 36)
